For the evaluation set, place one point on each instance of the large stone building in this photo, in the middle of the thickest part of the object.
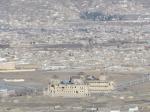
(78, 87)
(68, 90)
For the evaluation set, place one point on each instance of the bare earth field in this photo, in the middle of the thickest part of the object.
(137, 95)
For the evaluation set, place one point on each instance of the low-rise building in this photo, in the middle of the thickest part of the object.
(7, 66)
(98, 86)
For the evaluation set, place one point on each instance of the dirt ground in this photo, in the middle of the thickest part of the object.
(137, 95)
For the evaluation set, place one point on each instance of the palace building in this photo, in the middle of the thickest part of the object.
(77, 87)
